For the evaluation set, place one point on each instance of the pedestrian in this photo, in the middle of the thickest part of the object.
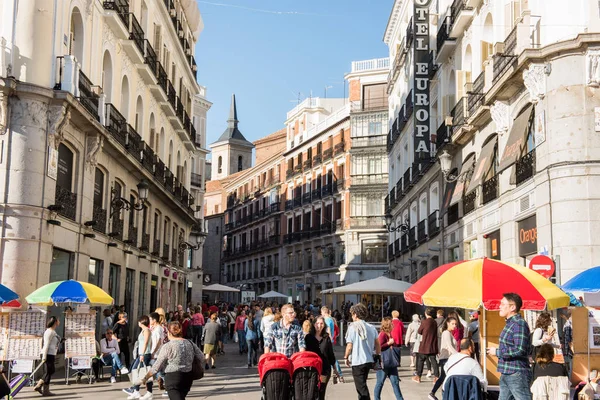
(231, 316)
(176, 358)
(544, 368)
(473, 333)
(319, 341)
(567, 339)
(251, 328)
(459, 332)
(223, 322)
(49, 350)
(543, 333)
(267, 322)
(143, 356)
(447, 348)
(389, 369)
(158, 340)
(411, 338)
(240, 321)
(107, 322)
(197, 324)
(462, 363)
(362, 342)
(397, 330)
(428, 346)
(286, 336)
(513, 360)
(109, 347)
(121, 332)
(212, 330)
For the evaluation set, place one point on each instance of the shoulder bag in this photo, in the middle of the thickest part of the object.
(197, 367)
(390, 358)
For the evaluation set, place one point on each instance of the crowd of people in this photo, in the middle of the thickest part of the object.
(444, 345)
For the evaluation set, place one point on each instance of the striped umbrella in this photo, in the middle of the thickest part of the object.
(481, 282)
(70, 291)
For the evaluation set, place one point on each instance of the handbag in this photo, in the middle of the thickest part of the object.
(138, 373)
(197, 364)
(390, 358)
(4, 388)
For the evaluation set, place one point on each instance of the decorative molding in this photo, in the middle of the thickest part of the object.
(58, 116)
(534, 78)
(94, 146)
(3, 113)
(592, 67)
(500, 115)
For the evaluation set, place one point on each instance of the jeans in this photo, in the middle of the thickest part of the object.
(112, 359)
(515, 386)
(323, 387)
(242, 341)
(197, 330)
(440, 380)
(252, 346)
(382, 375)
(124, 349)
(178, 384)
(569, 365)
(421, 358)
(136, 362)
(360, 374)
(224, 335)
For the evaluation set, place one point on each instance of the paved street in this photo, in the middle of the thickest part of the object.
(232, 380)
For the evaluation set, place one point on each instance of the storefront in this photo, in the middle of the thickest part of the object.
(527, 238)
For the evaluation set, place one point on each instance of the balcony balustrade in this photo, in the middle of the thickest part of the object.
(116, 230)
(156, 247)
(412, 237)
(316, 160)
(433, 224)
(307, 164)
(410, 105)
(132, 236)
(327, 154)
(306, 198)
(67, 201)
(116, 124)
(196, 180)
(297, 201)
(525, 167)
(134, 143)
(445, 43)
(375, 222)
(87, 96)
(458, 114)
(476, 96)
(490, 189)
(397, 247)
(501, 62)
(327, 190)
(145, 242)
(404, 248)
(120, 6)
(469, 202)
(407, 179)
(165, 253)
(99, 217)
(338, 148)
(422, 231)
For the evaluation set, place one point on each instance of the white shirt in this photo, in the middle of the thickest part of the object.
(157, 339)
(109, 346)
(468, 366)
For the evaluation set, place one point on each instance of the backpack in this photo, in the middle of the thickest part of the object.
(532, 351)
(223, 319)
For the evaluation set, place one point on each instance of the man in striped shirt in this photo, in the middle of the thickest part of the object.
(513, 360)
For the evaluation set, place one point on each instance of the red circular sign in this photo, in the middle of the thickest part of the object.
(543, 265)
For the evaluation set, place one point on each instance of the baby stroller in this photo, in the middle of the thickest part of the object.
(307, 375)
(275, 372)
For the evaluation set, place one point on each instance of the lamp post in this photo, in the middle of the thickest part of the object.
(445, 160)
(391, 228)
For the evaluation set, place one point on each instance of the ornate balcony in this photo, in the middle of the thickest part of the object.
(316, 160)
(458, 114)
(88, 98)
(99, 218)
(476, 96)
(306, 198)
(412, 237)
(67, 201)
(490, 189)
(443, 136)
(116, 230)
(196, 180)
(132, 236)
(433, 224)
(469, 202)
(116, 124)
(525, 167)
(422, 231)
(165, 253)
(504, 60)
(327, 154)
(445, 43)
(145, 242)
(338, 148)
(156, 247)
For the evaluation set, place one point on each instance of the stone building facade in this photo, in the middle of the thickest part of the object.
(99, 102)
(513, 102)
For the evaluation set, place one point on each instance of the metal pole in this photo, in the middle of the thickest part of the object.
(485, 341)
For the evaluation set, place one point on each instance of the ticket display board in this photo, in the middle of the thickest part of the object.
(25, 332)
(80, 331)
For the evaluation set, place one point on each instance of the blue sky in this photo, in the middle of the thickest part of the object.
(267, 51)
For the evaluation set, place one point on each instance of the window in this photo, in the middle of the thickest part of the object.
(65, 168)
(114, 280)
(129, 289)
(95, 272)
(374, 253)
(374, 96)
(143, 294)
(220, 164)
(98, 188)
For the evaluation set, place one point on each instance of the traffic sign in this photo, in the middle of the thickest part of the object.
(543, 265)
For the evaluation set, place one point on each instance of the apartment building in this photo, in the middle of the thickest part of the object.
(102, 147)
(512, 100)
(334, 189)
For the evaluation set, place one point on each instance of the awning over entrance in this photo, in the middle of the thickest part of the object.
(483, 164)
(459, 189)
(516, 140)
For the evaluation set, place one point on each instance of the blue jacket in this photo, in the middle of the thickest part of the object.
(251, 334)
(463, 387)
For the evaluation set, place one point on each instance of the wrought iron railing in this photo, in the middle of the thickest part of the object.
(165, 253)
(327, 154)
(408, 101)
(316, 160)
(148, 157)
(132, 236)
(458, 114)
(99, 218)
(116, 229)
(422, 231)
(196, 179)
(412, 237)
(457, 7)
(150, 58)
(452, 214)
(444, 33)
(490, 189)
(525, 167)
(156, 247)
(67, 201)
(469, 202)
(134, 144)
(120, 6)
(145, 242)
(87, 97)
(433, 224)
(503, 61)
(116, 124)
(338, 148)
(476, 96)
(433, 67)
(136, 33)
(443, 136)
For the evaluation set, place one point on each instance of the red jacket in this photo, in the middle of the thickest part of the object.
(398, 332)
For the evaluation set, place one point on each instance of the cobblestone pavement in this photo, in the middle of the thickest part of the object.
(231, 380)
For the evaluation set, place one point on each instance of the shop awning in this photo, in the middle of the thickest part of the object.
(483, 165)
(459, 189)
(516, 140)
(448, 194)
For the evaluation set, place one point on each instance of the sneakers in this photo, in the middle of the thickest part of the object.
(165, 394)
(206, 367)
(429, 374)
(130, 391)
(147, 396)
(431, 396)
(124, 371)
(412, 365)
(416, 379)
(134, 395)
(113, 379)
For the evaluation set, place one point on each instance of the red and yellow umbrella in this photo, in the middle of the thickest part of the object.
(482, 282)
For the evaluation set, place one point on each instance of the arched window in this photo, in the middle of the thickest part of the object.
(240, 160)
(413, 214)
(107, 76)
(423, 207)
(434, 197)
(125, 98)
(160, 145)
(64, 183)
(139, 116)
(153, 134)
(220, 165)
(170, 160)
(487, 39)
(76, 35)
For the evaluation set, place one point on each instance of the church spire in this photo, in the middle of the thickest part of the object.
(232, 122)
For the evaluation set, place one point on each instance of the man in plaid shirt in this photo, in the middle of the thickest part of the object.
(513, 360)
(285, 337)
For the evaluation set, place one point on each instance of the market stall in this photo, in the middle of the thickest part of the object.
(479, 284)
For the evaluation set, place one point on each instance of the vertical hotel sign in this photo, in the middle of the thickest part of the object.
(421, 79)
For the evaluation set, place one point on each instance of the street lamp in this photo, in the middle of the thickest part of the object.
(391, 228)
(445, 160)
(119, 203)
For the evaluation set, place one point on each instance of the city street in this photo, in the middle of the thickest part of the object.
(232, 380)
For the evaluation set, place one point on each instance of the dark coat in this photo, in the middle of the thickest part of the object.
(429, 341)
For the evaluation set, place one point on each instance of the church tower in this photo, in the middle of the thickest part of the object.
(231, 153)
